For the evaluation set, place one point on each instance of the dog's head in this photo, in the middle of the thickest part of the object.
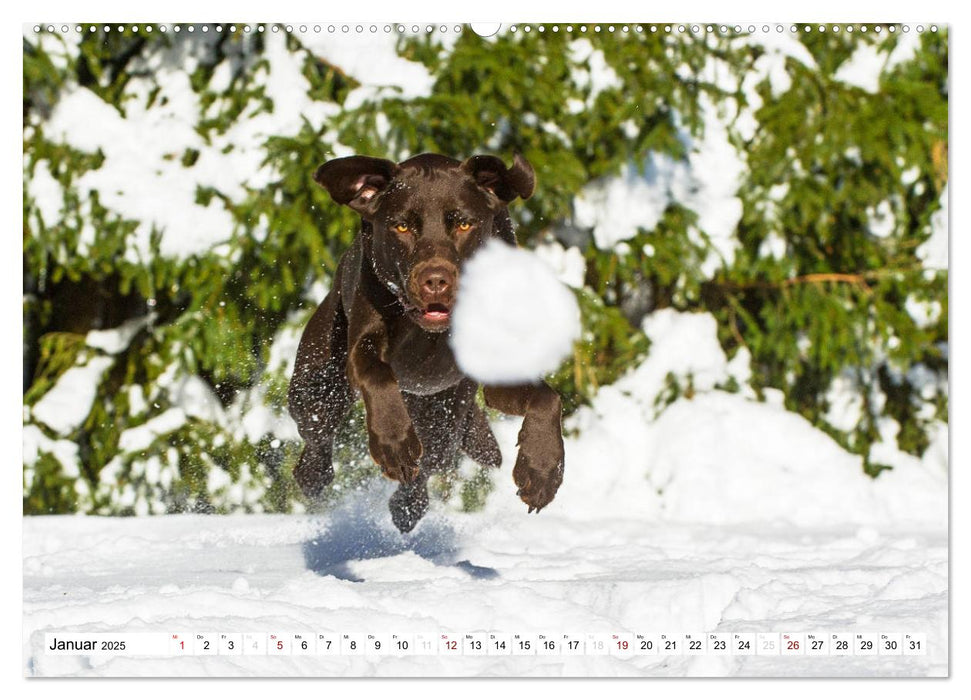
(425, 217)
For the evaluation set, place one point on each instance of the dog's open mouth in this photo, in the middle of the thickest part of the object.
(436, 312)
(435, 317)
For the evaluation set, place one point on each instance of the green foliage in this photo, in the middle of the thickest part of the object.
(608, 347)
(58, 353)
(835, 300)
(48, 489)
(824, 160)
(476, 490)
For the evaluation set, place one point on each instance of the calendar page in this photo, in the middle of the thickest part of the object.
(434, 349)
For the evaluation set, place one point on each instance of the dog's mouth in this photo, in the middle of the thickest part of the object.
(436, 312)
(433, 317)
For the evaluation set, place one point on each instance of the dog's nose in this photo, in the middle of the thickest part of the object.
(436, 281)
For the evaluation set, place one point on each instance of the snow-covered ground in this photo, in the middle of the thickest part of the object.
(716, 514)
(509, 572)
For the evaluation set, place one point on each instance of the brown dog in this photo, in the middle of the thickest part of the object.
(383, 331)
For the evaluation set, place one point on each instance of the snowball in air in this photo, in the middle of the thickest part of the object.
(513, 321)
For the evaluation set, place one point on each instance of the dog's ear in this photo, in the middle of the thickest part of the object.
(506, 183)
(355, 180)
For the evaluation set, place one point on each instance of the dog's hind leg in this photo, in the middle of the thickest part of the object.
(409, 503)
(319, 394)
(478, 441)
(440, 421)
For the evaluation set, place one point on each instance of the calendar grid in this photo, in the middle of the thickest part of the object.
(472, 644)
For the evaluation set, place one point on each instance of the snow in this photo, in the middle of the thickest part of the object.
(934, 251)
(881, 220)
(59, 48)
(143, 177)
(863, 68)
(773, 246)
(616, 207)
(258, 420)
(136, 168)
(907, 45)
(283, 351)
(706, 182)
(141, 437)
(704, 459)
(116, 340)
(778, 49)
(567, 263)
(924, 313)
(372, 61)
(351, 572)
(682, 345)
(249, 413)
(65, 406)
(47, 193)
(197, 399)
(64, 451)
(715, 513)
(909, 176)
(717, 169)
(286, 85)
(845, 404)
(575, 106)
(592, 72)
(513, 321)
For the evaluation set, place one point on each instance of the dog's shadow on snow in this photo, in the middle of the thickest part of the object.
(360, 528)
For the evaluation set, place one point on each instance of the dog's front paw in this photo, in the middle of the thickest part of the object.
(396, 452)
(539, 467)
(537, 485)
(314, 471)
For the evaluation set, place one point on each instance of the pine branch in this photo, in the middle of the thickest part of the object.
(859, 279)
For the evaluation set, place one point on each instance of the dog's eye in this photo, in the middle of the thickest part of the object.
(401, 228)
(464, 226)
